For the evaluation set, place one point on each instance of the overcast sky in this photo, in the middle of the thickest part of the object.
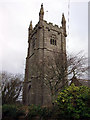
(15, 17)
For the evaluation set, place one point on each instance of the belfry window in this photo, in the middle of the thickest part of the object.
(50, 41)
(53, 41)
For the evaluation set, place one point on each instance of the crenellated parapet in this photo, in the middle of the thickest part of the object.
(49, 26)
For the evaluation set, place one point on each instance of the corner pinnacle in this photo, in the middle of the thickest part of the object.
(30, 25)
(41, 13)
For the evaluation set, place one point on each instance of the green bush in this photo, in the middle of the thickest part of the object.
(43, 113)
(33, 111)
(12, 111)
(73, 102)
(46, 113)
(9, 110)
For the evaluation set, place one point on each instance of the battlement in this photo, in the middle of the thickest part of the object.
(51, 26)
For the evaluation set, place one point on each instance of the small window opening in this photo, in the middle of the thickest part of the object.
(55, 42)
(29, 87)
(50, 41)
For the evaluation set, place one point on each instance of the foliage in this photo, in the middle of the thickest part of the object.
(73, 102)
(43, 113)
(29, 112)
(12, 111)
(9, 110)
(11, 88)
(34, 110)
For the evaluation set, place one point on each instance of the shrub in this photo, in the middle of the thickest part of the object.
(12, 111)
(33, 111)
(43, 113)
(46, 113)
(73, 102)
(9, 110)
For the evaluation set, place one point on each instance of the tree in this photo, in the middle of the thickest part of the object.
(60, 69)
(77, 65)
(55, 76)
(11, 88)
(54, 70)
(73, 102)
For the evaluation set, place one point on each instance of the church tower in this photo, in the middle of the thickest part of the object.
(44, 39)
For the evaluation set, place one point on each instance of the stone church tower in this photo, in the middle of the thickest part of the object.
(43, 39)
